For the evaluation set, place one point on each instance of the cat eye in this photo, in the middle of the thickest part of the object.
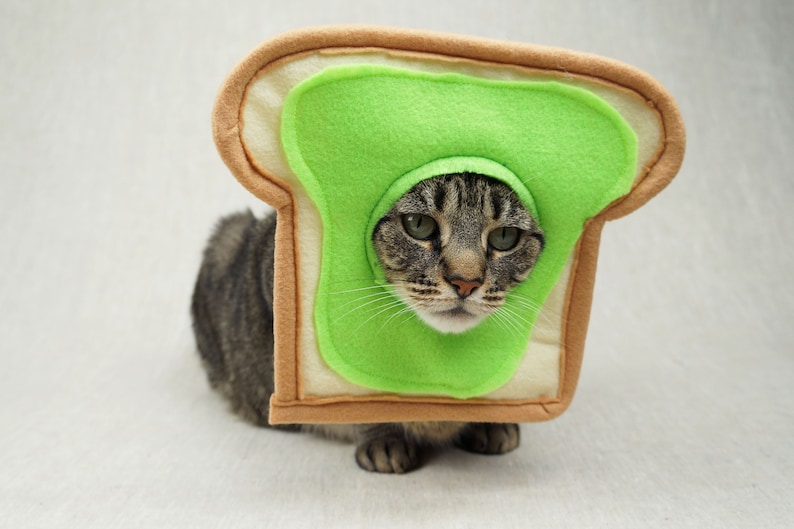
(505, 238)
(419, 226)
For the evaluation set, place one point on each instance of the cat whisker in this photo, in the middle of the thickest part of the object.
(530, 179)
(516, 303)
(406, 309)
(383, 297)
(535, 307)
(380, 294)
(515, 314)
(337, 292)
(507, 324)
(498, 320)
(387, 307)
(411, 315)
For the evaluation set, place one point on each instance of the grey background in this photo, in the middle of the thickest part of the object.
(109, 184)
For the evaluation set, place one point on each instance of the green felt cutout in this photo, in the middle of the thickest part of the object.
(358, 136)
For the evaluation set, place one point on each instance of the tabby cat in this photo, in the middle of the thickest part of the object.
(452, 247)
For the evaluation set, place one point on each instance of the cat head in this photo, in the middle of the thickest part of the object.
(454, 245)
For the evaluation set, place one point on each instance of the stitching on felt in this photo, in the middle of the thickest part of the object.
(569, 294)
(572, 289)
(298, 321)
(404, 409)
(417, 399)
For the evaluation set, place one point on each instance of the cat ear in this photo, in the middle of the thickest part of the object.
(320, 122)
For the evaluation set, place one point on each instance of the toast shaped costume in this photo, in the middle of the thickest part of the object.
(332, 125)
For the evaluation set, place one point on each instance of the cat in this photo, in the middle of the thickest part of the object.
(452, 246)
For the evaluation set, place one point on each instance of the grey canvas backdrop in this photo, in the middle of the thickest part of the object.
(110, 183)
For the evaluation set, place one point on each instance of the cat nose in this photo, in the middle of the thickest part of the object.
(465, 286)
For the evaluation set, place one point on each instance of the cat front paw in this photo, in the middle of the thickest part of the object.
(490, 438)
(393, 454)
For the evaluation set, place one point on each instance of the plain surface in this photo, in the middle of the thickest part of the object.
(110, 183)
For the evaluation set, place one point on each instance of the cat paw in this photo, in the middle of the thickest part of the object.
(389, 455)
(490, 438)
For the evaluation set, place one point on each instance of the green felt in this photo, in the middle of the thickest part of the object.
(358, 136)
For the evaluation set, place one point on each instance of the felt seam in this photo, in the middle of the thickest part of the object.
(297, 313)
(577, 315)
(569, 296)
(367, 411)
(563, 75)
(417, 399)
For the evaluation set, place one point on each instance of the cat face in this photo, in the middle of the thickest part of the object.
(454, 245)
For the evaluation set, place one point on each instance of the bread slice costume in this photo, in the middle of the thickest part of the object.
(332, 125)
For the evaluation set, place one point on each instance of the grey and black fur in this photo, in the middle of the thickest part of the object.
(453, 278)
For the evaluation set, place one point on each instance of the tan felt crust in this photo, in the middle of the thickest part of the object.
(287, 406)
